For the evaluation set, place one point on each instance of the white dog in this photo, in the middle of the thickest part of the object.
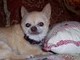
(34, 26)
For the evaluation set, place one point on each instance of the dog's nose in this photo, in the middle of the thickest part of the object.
(33, 28)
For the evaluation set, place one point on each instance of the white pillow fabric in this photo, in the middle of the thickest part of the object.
(64, 38)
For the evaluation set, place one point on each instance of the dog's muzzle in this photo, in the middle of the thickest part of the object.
(34, 30)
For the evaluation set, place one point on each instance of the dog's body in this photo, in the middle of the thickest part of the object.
(13, 44)
(34, 25)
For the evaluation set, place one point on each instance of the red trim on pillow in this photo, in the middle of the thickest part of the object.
(62, 42)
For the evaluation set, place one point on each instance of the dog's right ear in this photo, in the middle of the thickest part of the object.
(23, 11)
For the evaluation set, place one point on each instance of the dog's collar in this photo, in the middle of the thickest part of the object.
(30, 40)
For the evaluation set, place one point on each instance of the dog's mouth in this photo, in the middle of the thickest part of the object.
(35, 33)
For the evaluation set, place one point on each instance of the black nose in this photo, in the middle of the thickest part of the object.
(33, 28)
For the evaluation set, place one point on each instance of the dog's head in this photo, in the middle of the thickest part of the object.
(36, 24)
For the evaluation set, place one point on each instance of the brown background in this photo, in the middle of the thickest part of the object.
(59, 11)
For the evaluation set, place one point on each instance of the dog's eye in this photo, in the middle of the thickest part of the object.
(41, 24)
(28, 24)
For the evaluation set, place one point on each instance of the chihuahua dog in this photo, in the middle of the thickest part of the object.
(35, 27)
(35, 24)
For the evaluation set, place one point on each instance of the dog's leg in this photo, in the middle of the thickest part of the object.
(5, 50)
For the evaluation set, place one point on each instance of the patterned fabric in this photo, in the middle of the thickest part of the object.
(52, 57)
(65, 38)
(59, 13)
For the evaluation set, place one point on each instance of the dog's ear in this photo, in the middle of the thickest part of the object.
(23, 11)
(47, 10)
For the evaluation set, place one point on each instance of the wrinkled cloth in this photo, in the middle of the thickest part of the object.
(52, 57)
(64, 38)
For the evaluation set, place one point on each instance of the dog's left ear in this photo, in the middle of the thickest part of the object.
(47, 10)
(23, 11)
